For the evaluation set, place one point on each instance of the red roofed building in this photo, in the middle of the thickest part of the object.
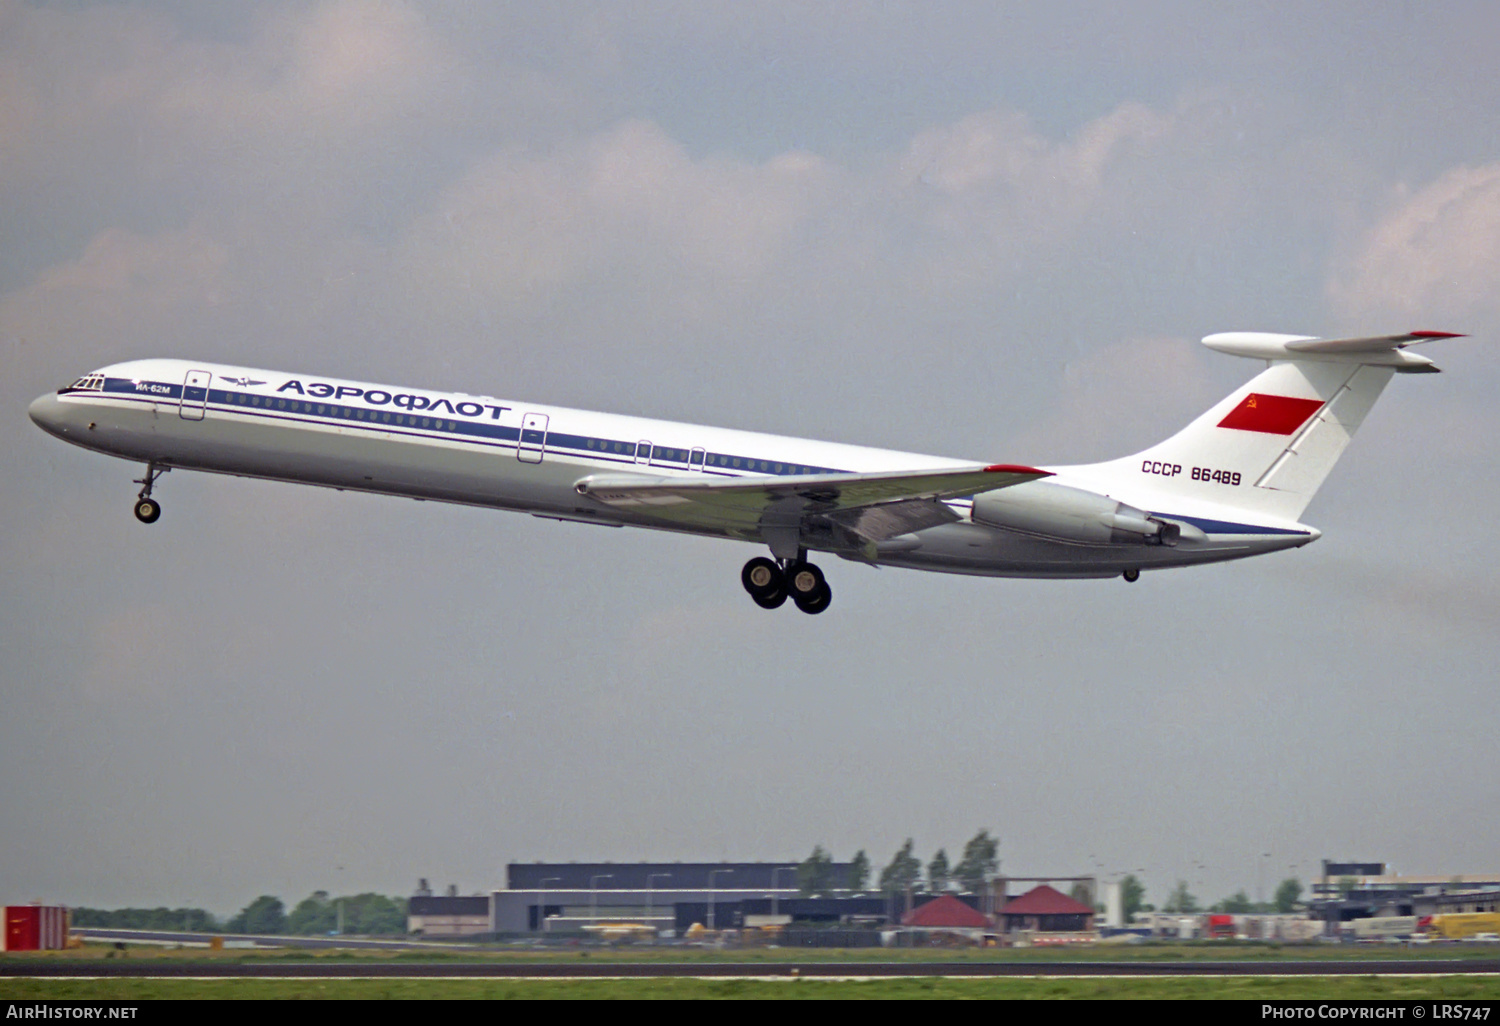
(1047, 909)
(945, 913)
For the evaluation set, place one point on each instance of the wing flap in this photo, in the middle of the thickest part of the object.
(891, 519)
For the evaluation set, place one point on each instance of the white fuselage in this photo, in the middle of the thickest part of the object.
(529, 457)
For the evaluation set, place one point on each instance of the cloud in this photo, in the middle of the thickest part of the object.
(125, 293)
(1118, 399)
(628, 202)
(1433, 258)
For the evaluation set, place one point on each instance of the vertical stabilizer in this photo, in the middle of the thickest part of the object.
(1268, 446)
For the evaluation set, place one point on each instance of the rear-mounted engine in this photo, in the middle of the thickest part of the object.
(1072, 515)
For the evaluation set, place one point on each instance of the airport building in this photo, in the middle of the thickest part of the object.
(547, 897)
(1348, 891)
(612, 899)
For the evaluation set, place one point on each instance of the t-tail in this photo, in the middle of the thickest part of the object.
(1269, 445)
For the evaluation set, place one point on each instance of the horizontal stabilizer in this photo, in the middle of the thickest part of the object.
(1374, 350)
(1372, 344)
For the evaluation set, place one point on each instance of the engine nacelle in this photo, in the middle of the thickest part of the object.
(1071, 515)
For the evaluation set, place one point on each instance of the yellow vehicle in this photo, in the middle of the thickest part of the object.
(1459, 925)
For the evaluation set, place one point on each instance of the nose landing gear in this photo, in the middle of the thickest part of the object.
(770, 583)
(147, 509)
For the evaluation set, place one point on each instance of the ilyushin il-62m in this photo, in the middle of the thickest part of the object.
(1231, 484)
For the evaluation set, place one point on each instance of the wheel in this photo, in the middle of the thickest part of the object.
(761, 576)
(147, 511)
(770, 599)
(817, 601)
(803, 579)
(1132, 575)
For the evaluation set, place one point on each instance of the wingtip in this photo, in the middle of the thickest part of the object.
(1437, 334)
(1012, 468)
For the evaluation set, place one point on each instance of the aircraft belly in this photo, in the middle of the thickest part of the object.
(970, 548)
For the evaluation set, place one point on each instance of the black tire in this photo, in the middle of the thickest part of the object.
(762, 576)
(147, 511)
(803, 580)
(770, 599)
(1132, 575)
(817, 601)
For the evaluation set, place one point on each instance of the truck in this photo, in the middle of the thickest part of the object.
(1384, 927)
(1462, 925)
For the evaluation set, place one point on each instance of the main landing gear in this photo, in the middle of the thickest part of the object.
(770, 582)
(147, 509)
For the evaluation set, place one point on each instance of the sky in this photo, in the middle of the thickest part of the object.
(987, 231)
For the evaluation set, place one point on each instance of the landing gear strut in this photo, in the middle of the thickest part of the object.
(147, 509)
(770, 582)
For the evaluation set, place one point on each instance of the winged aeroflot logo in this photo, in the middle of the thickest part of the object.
(242, 382)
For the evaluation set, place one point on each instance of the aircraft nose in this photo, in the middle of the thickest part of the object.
(47, 413)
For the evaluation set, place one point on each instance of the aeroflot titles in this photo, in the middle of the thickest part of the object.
(405, 400)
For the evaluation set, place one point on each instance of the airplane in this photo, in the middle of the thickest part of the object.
(1231, 484)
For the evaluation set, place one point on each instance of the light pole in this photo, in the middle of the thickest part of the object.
(778, 869)
(541, 907)
(594, 893)
(649, 878)
(711, 874)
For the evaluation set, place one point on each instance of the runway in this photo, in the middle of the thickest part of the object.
(580, 969)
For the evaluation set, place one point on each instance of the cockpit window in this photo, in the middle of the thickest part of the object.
(88, 383)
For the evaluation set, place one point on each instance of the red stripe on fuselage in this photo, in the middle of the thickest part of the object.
(1272, 414)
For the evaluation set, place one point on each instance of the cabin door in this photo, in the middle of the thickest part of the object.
(194, 395)
(533, 442)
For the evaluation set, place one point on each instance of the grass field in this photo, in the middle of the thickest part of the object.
(1259, 988)
(1448, 988)
(1153, 952)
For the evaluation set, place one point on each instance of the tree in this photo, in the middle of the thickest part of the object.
(815, 873)
(313, 915)
(1081, 893)
(1237, 903)
(937, 872)
(367, 914)
(1288, 894)
(859, 871)
(1132, 896)
(1181, 899)
(978, 863)
(263, 915)
(905, 869)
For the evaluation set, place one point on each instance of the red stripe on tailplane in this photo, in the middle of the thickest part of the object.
(1271, 414)
(1435, 334)
(1007, 468)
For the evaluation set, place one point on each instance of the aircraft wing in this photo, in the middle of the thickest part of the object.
(875, 506)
